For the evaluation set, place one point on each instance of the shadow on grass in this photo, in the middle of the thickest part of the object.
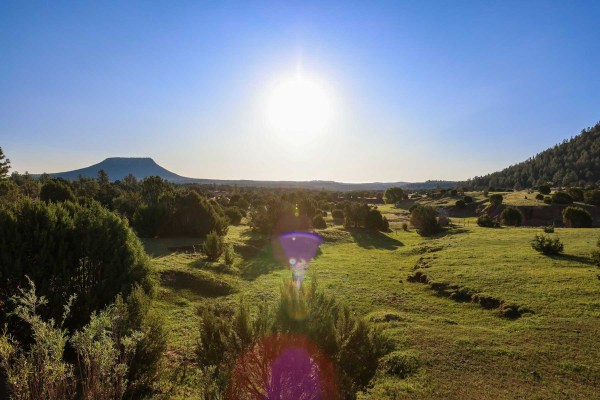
(158, 247)
(570, 257)
(261, 263)
(202, 284)
(369, 239)
(450, 231)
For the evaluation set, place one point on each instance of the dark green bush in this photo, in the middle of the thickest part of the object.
(374, 220)
(561, 198)
(337, 214)
(57, 191)
(460, 204)
(496, 198)
(486, 221)
(404, 226)
(184, 213)
(393, 195)
(592, 197)
(547, 200)
(68, 249)
(234, 214)
(576, 194)
(356, 215)
(547, 245)
(214, 246)
(424, 219)
(319, 222)
(511, 216)
(385, 225)
(544, 189)
(549, 229)
(468, 199)
(539, 197)
(577, 217)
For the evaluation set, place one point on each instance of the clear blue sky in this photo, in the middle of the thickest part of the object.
(422, 89)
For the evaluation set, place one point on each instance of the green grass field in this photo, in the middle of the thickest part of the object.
(463, 350)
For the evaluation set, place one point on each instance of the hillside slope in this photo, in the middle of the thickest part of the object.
(574, 162)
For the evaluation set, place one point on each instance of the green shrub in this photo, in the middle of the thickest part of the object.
(68, 249)
(577, 217)
(229, 255)
(184, 213)
(404, 226)
(468, 199)
(539, 197)
(592, 197)
(547, 245)
(549, 229)
(319, 222)
(411, 208)
(460, 204)
(337, 214)
(374, 220)
(561, 198)
(393, 195)
(234, 214)
(232, 345)
(385, 225)
(511, 216)
(547, 200)
(486, 221)
(576, 194)
(496, 198)
(424, 219)
(105, 365)
(57, 191)
(214, 246)
(544, 189)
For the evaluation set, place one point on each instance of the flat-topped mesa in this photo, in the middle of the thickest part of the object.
(119, 167)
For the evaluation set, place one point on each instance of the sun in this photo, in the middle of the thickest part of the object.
(299, 107)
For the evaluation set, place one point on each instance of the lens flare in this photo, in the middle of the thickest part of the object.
(283, 367)
(297, 250)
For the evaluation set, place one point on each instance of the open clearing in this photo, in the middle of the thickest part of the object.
(463, 344)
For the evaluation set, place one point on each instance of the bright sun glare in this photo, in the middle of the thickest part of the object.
(299, 108)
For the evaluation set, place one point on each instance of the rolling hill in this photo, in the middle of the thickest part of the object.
(574, 162)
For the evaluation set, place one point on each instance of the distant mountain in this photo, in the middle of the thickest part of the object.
(574, 162)
(119, 167)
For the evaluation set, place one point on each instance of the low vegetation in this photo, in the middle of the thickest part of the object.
(577, 217)
(547, 245)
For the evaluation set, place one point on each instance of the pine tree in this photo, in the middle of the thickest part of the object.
(4, 165)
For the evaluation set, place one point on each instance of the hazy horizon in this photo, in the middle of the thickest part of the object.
(393, 91)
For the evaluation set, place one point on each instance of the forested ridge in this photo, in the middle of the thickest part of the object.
(574, 162)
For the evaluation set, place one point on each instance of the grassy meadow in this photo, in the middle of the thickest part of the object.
(460, 346)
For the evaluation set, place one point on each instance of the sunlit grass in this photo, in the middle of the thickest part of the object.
(462, 349)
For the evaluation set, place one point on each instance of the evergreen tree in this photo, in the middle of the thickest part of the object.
(4, 165)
